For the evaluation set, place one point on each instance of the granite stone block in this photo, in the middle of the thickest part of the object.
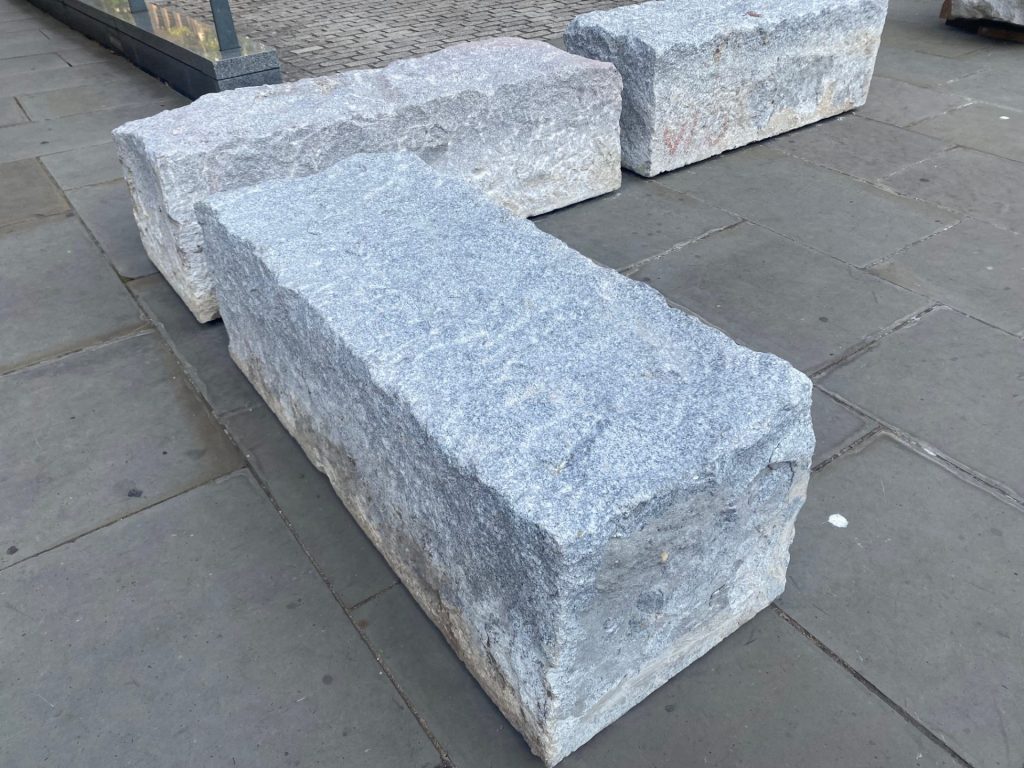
(534, 127)
(1008, 11)
(584, 488)
(700, 80)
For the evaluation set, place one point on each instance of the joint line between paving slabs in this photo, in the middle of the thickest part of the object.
(870, 342)
(442, 753)
(852, 447)
(258, 479)
(630, 270)
(964, 472)
(142, 330)
(121, 518)
(872, 687)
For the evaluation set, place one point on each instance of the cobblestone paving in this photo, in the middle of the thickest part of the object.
(315, 37)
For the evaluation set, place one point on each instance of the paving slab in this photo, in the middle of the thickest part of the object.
(96, 435)
(901, 104)
(638, 221)
(776, 296)
(18, 142)
(44, 80)
(923, 68)
(1002, 86)
(766, 697)
(103, 95)
(859, 147)
(921, 593)
(202, 349)
(27, 192)
(974, 267)
(951, 381)
(196, 629)
(106, 210)
(997, 130)
(351, 564)
(87, 52)
(833, 213)
(57, 294)
(970, 182)
(84, 167)
(24, 64)
(11, 112)
(835, 426)
(934, 37)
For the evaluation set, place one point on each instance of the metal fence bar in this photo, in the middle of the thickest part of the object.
(223, 22)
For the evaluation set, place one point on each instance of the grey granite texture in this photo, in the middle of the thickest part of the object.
(1010, 11)
(532, 126)
(584, 488)
(700, 78)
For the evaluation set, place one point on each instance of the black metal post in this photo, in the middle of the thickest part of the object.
(137, 6)
(223, 22)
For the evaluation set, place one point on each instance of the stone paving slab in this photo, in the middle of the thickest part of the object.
(974, 267)
(978, 184)
(1004, 86)
(902, 104)
(93, 96)
(932, 36)
(776, 296)
(836, 214)
(859, 147)
(921, 593)
(23, 64)
(11, 112)
(946, 379)
(97, 435)
(206, 638)
(18, 142)
(106, 210)
(83, 167)
(202, 349)
(630, 225)
(764, 698)
(28, 193)
(349, 562)
(992, 129)
(57, 293)
(922, 68)
(85, 76)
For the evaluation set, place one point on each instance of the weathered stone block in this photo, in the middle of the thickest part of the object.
(584, 488)
(1009, 11)
(532, 126)
(701, 78)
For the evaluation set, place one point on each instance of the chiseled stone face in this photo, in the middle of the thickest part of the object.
(584, 488)
(700, 78)
(1010, 11)
(532, 126)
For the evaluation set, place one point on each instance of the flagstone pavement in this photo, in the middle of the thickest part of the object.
(180, 587)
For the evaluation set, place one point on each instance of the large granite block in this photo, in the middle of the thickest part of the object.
(701, 78)
(532, 126)
(1009, 11)
(584, 488)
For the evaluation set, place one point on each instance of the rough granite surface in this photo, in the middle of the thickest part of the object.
(1010, 11)
(532, 126)
(584, 488)
(701, 78)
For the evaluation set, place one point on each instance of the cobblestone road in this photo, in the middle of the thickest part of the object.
(314, 37)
